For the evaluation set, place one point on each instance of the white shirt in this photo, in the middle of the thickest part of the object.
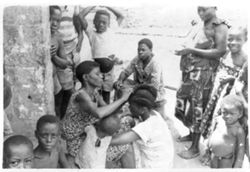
(156, 143)
(102, 44)
(90, 156)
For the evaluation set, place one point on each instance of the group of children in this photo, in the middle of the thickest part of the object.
(227, 139)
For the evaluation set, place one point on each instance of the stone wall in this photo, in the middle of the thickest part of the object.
(26, 43)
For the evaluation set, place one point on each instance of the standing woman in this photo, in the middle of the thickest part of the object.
(198, 66)
(86, 107)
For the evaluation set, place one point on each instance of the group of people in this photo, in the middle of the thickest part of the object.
(101, 132)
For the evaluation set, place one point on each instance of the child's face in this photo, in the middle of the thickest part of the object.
(101, 23)
(230, 113)
(236, 39)
(55, 20)
(95, 77)
(144, 51)
(19, 156)
(206, 13)
(48, 136)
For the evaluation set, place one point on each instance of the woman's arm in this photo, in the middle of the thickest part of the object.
(125, 138)
(240, 148)
(87, 105)
(217, 52)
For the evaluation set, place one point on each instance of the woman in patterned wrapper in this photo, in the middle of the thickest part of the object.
(87, 107)
(198, 65)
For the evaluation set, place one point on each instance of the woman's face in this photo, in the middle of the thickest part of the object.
(144, 51)
(94, 78)
(206, 13)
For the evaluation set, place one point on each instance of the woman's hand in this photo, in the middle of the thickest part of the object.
(126, 93)
(118, 85)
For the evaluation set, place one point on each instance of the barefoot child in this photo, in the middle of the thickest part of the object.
(227, 141)
(49, 152)
(92, 153)
(17, 152)
(151, 134)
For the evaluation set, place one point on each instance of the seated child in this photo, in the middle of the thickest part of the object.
(92, 153)
(49, 152)
(17, 152)
(227, 141)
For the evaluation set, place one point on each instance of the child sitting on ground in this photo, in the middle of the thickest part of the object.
(227, 141)
(17, 152)
(49, 153)
(92, 153)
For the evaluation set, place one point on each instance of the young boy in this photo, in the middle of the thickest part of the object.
(17, 152)
(49, 152)
(227, 141)
(62, 74)
(102, 41)
(93, 150)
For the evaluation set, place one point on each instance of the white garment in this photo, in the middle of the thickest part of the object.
(102, 44)
(90, 156)
(156, 143)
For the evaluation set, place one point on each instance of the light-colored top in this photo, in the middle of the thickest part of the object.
(67, 28)
(89, 155)
(102, 44)
(156, 144)
(151, 74)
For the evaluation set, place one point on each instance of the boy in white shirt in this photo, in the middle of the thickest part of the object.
(102, 40)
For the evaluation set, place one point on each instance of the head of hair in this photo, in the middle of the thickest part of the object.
(16, 140)
(85, 68)
(240, 29)
(46, 119)
(234, 100)
(52, 8)
(147, 42)
(101, 12)
(145, 96)
(110, 124)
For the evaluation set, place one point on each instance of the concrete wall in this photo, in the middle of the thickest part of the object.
(26, 44)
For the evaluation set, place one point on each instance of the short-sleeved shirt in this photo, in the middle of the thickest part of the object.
(156, 143)
(151, 74)
(89, 155)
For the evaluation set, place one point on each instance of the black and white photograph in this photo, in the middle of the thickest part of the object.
(122, 85)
